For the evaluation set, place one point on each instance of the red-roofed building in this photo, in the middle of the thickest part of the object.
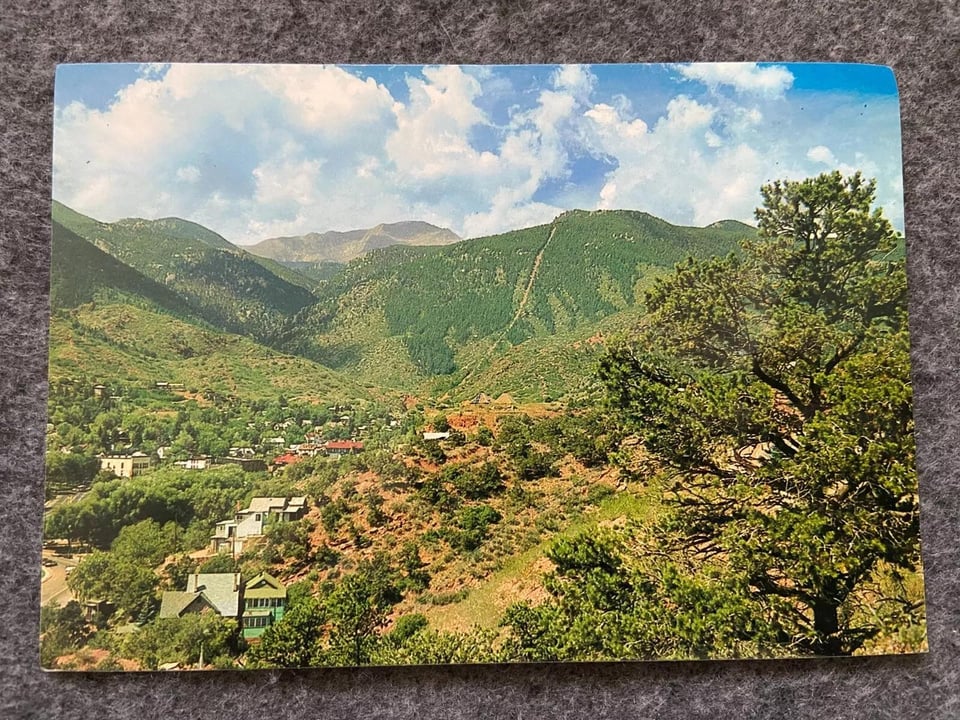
(343, 447)
(286, 459)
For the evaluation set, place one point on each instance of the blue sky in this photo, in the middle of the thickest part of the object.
(256, 151)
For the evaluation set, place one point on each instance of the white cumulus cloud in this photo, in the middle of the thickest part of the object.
(681, 168)
(256, 151)
(821, 154)
(769, 80)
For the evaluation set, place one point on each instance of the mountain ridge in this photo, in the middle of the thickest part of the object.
(181, 229)
(401, 314)
(223, 284)
(412, 317)
(345, 246)
(80, 272)
(111, 322)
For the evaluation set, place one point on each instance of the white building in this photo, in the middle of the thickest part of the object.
(251, 521)
(125, 465)
(436, 435)
(197, 463)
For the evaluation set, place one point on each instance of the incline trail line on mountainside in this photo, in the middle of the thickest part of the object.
(520, 307)
(533, 276)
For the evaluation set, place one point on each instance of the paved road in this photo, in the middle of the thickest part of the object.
(53, 587)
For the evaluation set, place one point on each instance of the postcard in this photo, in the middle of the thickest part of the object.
(404, 365)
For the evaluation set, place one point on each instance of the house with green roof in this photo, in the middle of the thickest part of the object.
(264, 602)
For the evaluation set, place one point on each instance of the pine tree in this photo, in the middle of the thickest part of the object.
(774, 387)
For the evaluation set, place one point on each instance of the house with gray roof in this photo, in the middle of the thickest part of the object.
(251, 521)
(255, 605)
(219, 592)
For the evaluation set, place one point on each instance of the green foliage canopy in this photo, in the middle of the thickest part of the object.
(66, 472)
(342, 628)
(119, 579)
(180, 640)
(179, 496)
(775, 387)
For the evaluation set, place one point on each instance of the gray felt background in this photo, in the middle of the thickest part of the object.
(921, 40)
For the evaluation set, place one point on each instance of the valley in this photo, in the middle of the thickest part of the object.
(462, 424)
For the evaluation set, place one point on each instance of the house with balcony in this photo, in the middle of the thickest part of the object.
(231, 535)
(264, 603)
(255, 604)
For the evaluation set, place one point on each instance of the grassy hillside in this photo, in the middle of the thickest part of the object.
(224, 285)
(317, 271)
(177, 228)
(180, 229)
(543, 368)
(121, 342)
(111, 322)
(81, 272)
(519, 577)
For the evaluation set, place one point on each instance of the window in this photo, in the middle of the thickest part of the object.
(263, 602)
(256, 622)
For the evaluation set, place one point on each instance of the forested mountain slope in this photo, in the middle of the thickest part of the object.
(221, 283)
(423, 311)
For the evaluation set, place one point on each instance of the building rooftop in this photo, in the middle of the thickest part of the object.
(174, 602)
(266, 504)
(344, 445)
(222, 590)
(264, 585)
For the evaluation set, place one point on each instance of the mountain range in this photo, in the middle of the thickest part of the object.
(110, 322)
(403, 313)
(221, 283)
(342, 247)
(518, 312)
